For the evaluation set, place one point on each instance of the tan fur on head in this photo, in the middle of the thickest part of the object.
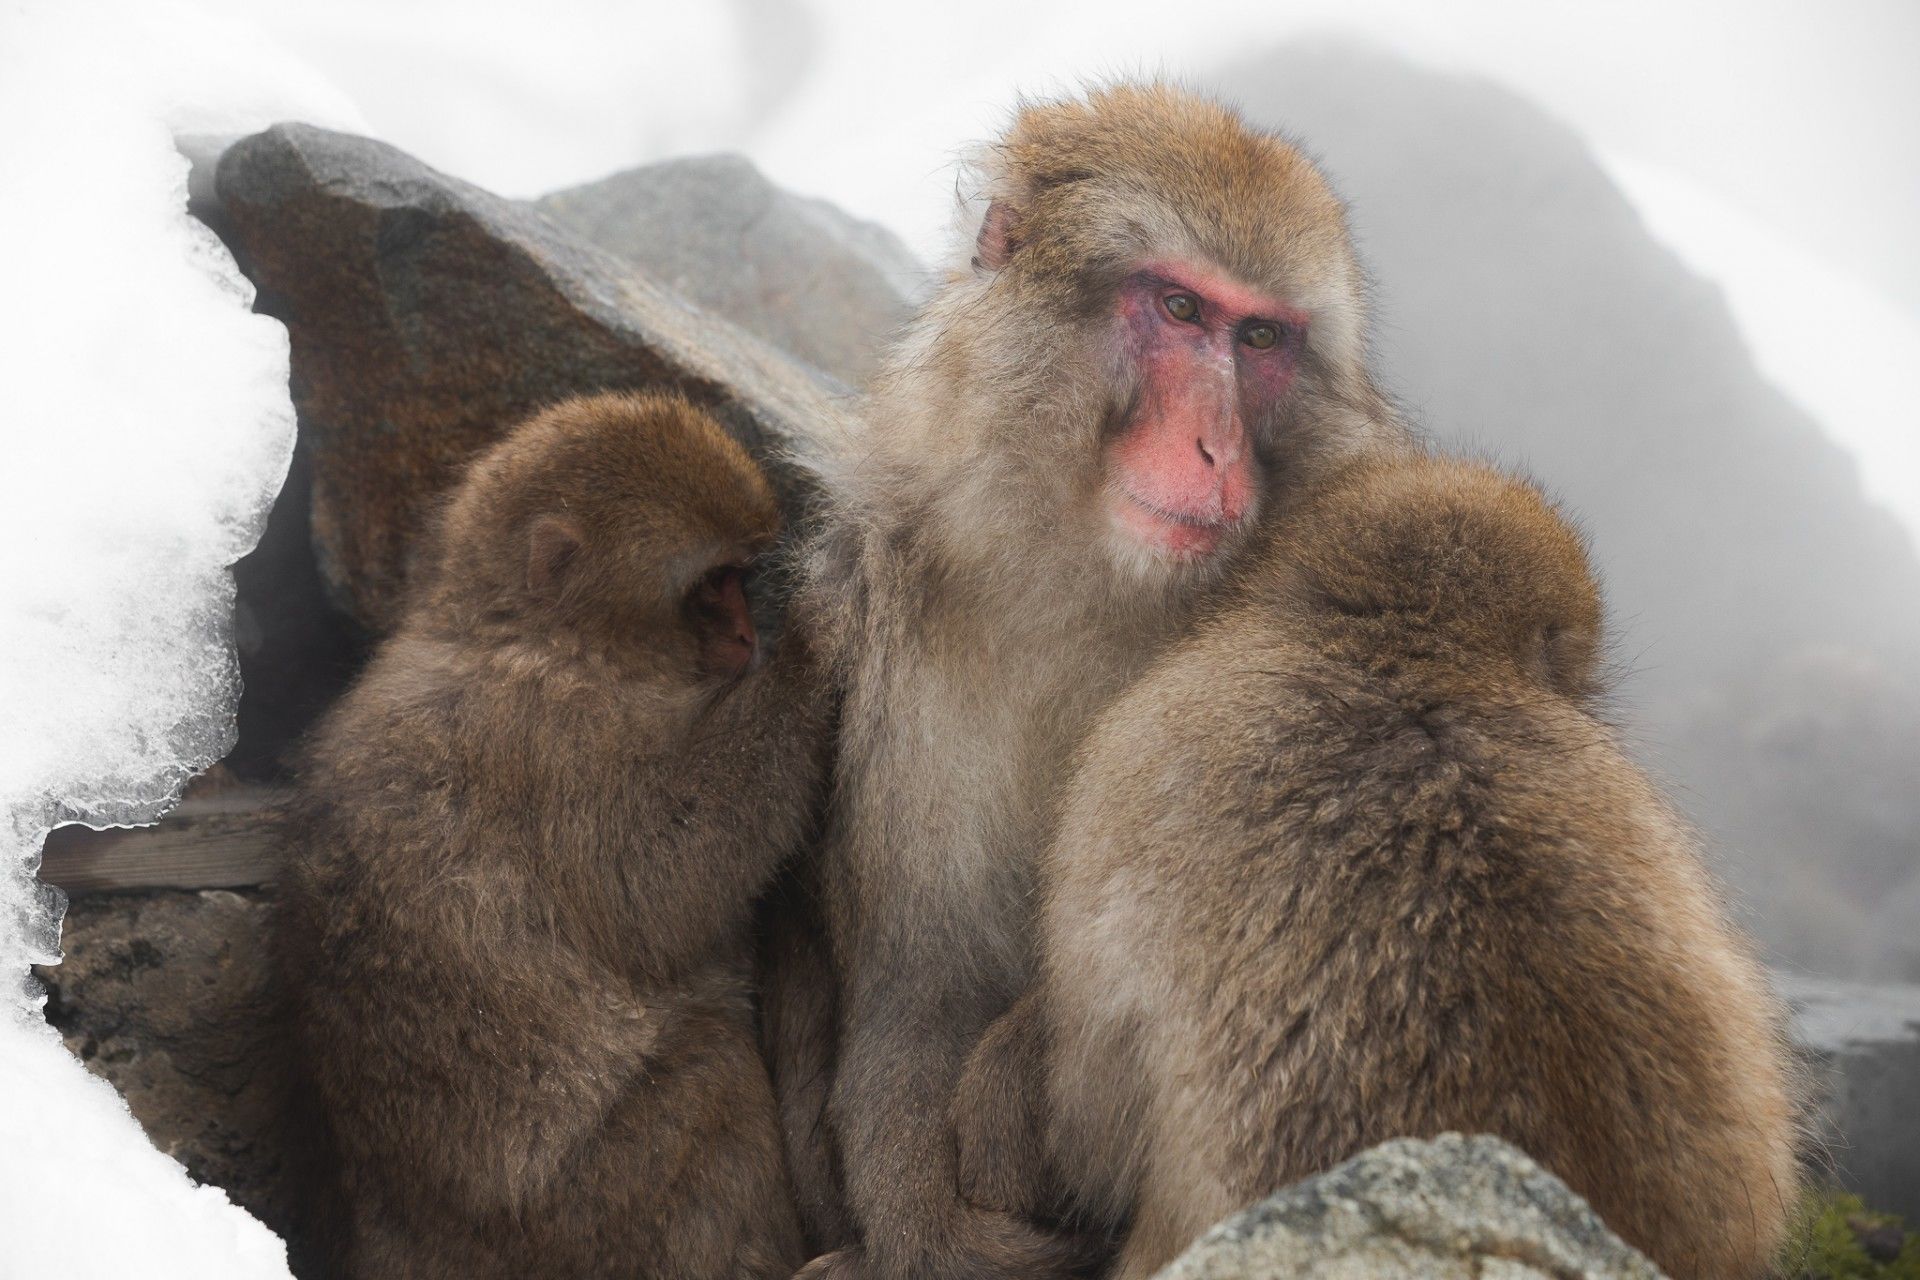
(1086, 187)
(654, 488)
(991, 408)
(1447, 558)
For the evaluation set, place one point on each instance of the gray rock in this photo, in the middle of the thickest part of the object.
(1450, 1207)
(1862, 1043)
(427, 316)
(167, 996)
(800, 273)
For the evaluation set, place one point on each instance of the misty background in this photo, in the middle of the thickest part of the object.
(1661, 257)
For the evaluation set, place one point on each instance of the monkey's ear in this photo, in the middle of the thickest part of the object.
(999, 239)
(552, 542)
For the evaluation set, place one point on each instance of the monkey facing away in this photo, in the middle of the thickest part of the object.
(522, 864)
(1160, 334)
(1358, 861)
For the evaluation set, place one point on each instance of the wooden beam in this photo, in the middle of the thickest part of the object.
(222, 841)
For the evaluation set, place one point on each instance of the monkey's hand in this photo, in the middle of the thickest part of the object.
(998, 1126)
(983, 1246)
(849, 1263)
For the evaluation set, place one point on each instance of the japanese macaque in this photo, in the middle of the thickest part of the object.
(1358, 860)
(1158, 339)
(522, 867)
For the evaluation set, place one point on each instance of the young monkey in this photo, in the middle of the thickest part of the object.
(1359, 861)
(521, 867)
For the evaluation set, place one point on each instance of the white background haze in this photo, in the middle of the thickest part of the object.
(145, 424)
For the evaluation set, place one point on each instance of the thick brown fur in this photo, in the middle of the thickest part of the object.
(794, 977)
(520, 873)
(980, 611)
(1358, 861)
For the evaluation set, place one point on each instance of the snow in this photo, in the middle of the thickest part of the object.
(83, 1195)
(146, 427)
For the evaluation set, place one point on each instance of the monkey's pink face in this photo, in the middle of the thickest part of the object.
(1213, 358)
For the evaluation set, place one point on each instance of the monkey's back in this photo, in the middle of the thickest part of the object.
(1311, 894)
(487, 1092)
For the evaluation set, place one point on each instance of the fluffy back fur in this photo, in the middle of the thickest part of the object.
(1360, 860)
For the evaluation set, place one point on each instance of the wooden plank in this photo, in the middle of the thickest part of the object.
(221, 841)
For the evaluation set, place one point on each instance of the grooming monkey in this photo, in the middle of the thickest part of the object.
(522, 864)
(1160, 334)
(1358, 861)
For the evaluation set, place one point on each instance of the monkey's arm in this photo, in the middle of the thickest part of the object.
(999, 1113)
(713, 815)
(906, 1026)
(795, 979)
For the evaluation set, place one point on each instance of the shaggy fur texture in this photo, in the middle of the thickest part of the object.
(980, 609)
(520, 872)
(1359, 861)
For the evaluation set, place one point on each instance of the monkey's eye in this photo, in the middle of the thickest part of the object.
(1182, 306)
(1260, 335)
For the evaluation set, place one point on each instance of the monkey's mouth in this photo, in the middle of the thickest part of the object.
(1180, 535)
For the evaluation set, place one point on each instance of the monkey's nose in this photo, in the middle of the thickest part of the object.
(1206, 455)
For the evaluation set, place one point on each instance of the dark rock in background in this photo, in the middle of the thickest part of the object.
(1453, 1208)
(1525, 310)
(167, 996)
(1830, 736)
(297, 650)
(1862, 1043)
(427, 316)
(800, 273)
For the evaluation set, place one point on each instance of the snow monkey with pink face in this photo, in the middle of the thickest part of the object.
(1157, 341)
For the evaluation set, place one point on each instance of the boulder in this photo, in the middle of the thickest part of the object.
(800, 273)
(427, 315)
(1450, 1207)
(167, 996)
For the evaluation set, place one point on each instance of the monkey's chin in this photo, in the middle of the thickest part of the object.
(1154, 538)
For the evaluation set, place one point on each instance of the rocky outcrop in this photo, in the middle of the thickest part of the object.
(427, 315)
(168, 996)
(800, 273)
(1452, 1207)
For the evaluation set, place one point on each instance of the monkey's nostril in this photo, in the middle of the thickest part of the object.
(1205, 456)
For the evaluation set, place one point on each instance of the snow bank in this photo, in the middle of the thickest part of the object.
(144, 430)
